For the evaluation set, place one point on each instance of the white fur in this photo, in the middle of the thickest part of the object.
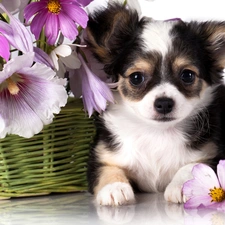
(152, 154)
(183, 107)
(156, 36)
(117, 193)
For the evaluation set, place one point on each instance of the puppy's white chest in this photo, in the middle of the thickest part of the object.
(151, 156)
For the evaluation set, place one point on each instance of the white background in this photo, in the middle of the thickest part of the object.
(185, 9)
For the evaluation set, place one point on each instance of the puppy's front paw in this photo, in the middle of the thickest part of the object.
(117, 193)
(173, 193)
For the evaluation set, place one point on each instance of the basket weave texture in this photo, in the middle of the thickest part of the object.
(54, 160)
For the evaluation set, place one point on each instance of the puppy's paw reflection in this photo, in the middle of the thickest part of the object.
(116, 215)
(174, 211)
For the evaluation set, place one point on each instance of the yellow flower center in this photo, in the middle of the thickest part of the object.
(12, 87)
(54, 6)
(217, 194)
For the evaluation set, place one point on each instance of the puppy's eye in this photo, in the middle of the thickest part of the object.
(136, 78)
(187, 76)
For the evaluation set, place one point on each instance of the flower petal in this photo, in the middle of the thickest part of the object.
(97, 85)
(14, 65)
(54, 59)
(221, 173)
(55, 88)
(6, 29)
(42, 71)
(194, 188)
(88, 99)
(38, 23)
(84, 2)
(32, 8)
(96, 93)
(198, 201)
(67, 26)
(52, 28)
(71, 61)
(206, 176)
(2, 124)
(25, 123)
(219, 206)
(61, 72)
(21, 37)
(43, 57)
(76, 13)
(63, 50)
(40, 95)
(197, 190)
(78, 77)
(4, 49)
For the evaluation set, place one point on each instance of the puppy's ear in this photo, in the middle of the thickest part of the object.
(214, 34)
(110, 32)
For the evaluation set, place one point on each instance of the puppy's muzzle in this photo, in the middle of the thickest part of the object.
(164, 105)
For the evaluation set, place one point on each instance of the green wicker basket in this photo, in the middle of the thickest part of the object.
(54, 160)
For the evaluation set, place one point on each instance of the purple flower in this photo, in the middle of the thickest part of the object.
(29, 96)
(4, 49)
(206, 189)
(16, 33)
(95, 92)
(55, 15)
(42, 57)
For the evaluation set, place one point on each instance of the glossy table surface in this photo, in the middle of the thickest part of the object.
(79, 208)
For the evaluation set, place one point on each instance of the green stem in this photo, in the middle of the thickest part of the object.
(42, 43)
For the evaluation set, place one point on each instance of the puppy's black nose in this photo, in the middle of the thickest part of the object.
(164, 105)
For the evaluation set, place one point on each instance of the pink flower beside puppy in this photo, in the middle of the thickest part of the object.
(206, 189)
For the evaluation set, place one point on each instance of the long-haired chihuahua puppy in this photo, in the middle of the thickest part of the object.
(169, 111)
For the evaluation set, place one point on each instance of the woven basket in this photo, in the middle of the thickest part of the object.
(51, 161)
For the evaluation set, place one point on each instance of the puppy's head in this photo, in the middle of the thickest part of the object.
(166, 70)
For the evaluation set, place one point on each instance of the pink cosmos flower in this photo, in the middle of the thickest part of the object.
(55, 16)
(30, 95)
(206, 189)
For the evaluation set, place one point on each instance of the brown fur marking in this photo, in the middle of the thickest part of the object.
(109, 175)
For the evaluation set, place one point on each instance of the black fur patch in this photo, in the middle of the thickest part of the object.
(107, 138)
(191, 40)
(151, 78)
(112, 34)
(209, 126)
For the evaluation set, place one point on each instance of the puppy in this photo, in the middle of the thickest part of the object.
(169, 111)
